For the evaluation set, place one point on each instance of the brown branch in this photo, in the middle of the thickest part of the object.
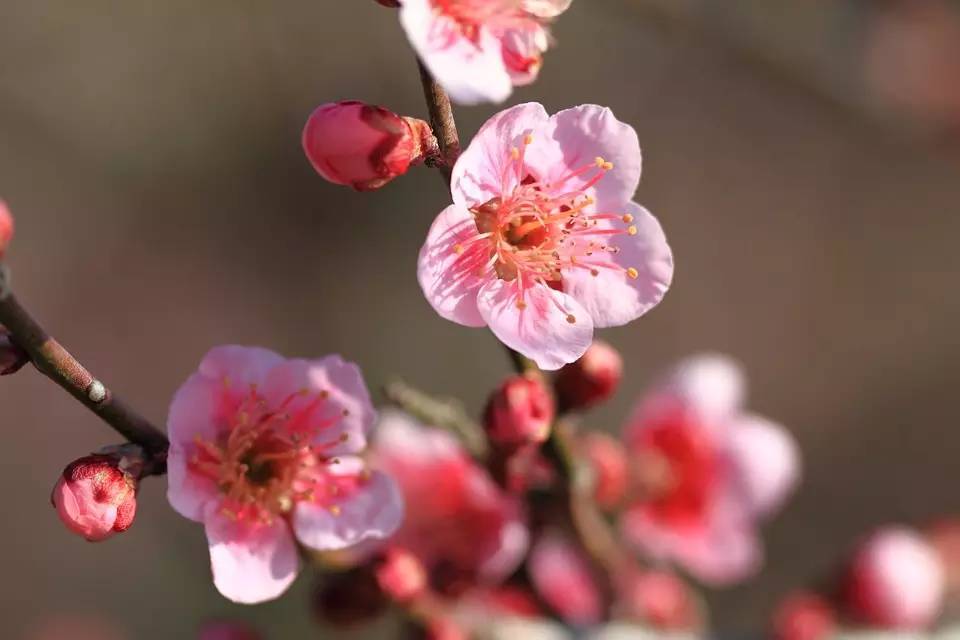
(442, 122)
(55, 362)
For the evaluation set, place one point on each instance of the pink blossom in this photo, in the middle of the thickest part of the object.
(592, 379)
(519, 413)
(6, 228)
(563, 578)
(461, 525)
(479, 49)
(401, 575)
(659, 598)
(896, 580)
(706, 473)
(262, 450)
(95, 498)
(543, 242)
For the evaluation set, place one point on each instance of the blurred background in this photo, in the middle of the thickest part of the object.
(803, 157)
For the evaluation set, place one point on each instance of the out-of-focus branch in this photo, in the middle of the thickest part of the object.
(55, 362)
(442, 122)
(439, 412)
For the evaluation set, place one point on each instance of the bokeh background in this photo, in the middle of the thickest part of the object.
(802, 157)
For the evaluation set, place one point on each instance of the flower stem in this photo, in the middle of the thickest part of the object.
(442, 122)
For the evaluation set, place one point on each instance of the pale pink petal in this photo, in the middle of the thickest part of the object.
(188, 493)
(478, 176)
(241, 366)
(612, 297)
(251, 563)
(710, 385)
(448, 266)
(195, 410)
(329, 393)
(372, 512)
(563, 579)
(471, 72)
(400, 438)
(523, 52)
(546, 8)
(765, 462)
(512, 545)
(577, 137)
(552, 329)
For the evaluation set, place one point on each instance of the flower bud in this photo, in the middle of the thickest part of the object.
(95, 498)
(401, 575)
(660, 599)
(12, 356)
(363, 146)
(6, 228)
(608, 459)
(226, 630)
(519, 413)
(804, 616)
(591, 379)
(895, 581)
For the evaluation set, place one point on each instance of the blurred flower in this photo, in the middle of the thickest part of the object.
(462, 527)
(6, 228)
(519, 413)
(944, 537)
(705, 471)
(479, 49)
(590, 380)
(804, 616)
(660, 599)
(543, 243)
(608, 461)
(227, 630)
(95, 498)
(563, 578)
(401, 575)
(12, 356)
(262, 450)
(895, 581)
(363, 146)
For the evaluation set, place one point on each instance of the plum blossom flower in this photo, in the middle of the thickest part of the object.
(478, 50)
(706, 473)
(563, 578)
(262, 451)
(459, 523)
(543, 242)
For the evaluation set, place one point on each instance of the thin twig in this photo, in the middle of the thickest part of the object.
(55, 362)
(442, 122)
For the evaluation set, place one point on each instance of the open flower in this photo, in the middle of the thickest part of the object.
(543, 242)
(705, 472)
(479, 49)
(262, 450)
(459, 523)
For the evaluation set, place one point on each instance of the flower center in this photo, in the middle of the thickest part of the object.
(264, 459)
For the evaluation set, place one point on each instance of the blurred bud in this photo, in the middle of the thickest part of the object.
(348, 598)
(895, 581)
(660, 599)
(608, 459)
(226, 630)
(6, 228)
(393, 4)
(12, 356)
(591, 379)
(804, 616)
(443, 629)
(363, 146)
(563, 578)
(519, 413)
(401, 575)
(95, 498)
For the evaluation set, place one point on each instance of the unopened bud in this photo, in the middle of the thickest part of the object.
(591, 379)
(608, 460)
(660, 599)
(226, 630)
(519, 413)
(895, 581)
(401, 575)
(12, 356)
(6, 228)
(95, 498)
(803, 616)
(363, 146)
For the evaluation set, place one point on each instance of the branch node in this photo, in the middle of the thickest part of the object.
(97, 392)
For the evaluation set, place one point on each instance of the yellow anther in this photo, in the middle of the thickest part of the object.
(607, 166)
(458, 248)
(632, 230)
(627, 218)
(515, 153)
(572, 319)
(334, 509)
(573, 259)
(633, 273)
(528, 139)
(594, 273)
(521, 304)
(600, 162)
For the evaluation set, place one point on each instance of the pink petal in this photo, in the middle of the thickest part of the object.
(584, 133)
(373, 512)
(471, 72)
(552, 329)
(195, 409)
(512, 545)
(765, 462)
(243, 366)
(251, 563)
(479, 173)
(522, 52)
(710, 385)
(612, 297)
(345, 413)
(188, 492)
(562, 577)
(401, 439)
(546, 8)
(449, 278)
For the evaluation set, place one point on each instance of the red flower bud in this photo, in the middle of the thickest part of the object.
(12, 356)
(660, 599)
(363, 146)
(401, 575)
(225, 630)
(95, 498)
(608, 459)
(519, 413)
(804, 616)
(6, 228)
(591, 379)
